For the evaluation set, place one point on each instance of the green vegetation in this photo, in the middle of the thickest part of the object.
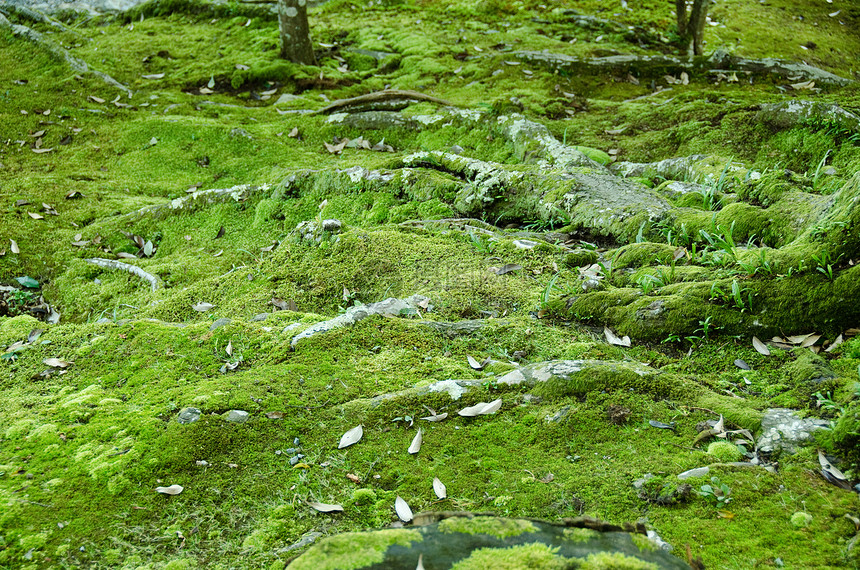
(770, 248)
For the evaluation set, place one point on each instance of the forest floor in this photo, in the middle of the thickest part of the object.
(190, 176)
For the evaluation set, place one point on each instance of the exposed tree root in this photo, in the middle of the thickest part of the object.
(78, 65)
(154, 281)
(371, 100)
(658, 65)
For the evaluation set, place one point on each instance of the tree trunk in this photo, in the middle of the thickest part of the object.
(295, 32)
(692, 31)
(681, 13)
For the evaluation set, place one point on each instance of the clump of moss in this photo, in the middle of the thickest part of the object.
(725, 451)
(801, 520)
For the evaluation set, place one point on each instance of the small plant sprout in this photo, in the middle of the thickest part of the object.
(718, 492)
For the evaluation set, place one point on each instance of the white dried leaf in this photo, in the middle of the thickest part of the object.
(481, 408)
(325, 507)
(474, 363)
(810, 340)
(834, 344)
(202, 307)
(57, 363)
(229, 349)
(612, 338)
(416, 443)
(351, 437)
(436, 417)
(421, 562)
(439, 488)
(14, 246)
(172, 490)
(760, 346)
(402, 509)
(827, 466)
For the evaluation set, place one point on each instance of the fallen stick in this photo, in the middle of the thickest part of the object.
(154, 281)
(378, 97)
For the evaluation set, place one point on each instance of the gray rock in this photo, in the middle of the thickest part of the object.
(783, 430)
(525, 244)
(306, 540)
(697, 472)
(260, 317)
(286, 98)
(456, 149)
(559, 416)
(237, 416)
(188, 416)
(332, 226)
(309, 230)
(390, 307)
(219, 323)
(792, 113)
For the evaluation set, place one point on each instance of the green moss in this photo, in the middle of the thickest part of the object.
(725, 451)
(643, 543)
(538, 556)
(615, 561)
(580, 534)
(498, 527)
(801, 520)
(354, 550)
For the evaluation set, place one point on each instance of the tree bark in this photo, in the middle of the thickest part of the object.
(692, 30)
(295, 32)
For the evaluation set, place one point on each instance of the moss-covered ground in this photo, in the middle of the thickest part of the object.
(83, 447)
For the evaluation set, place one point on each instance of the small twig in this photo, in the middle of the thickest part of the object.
(154, 281)
(379, 96)
(683, 447)
(703, 410)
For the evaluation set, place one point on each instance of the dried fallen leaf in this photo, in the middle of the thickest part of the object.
(612, 338)
(353, 477)
(810, 340)
(415, 447)
(95, 99)
(508, 268)
(275, 415)
(760, 346)
(474, 363)
(481, 409)
(14, 246)
(36, 216)
(202, 307)
(229, 349)
(351, 437)
(294, 133)
(827, 467)
(57, 363)
(834, 344)
(436, 417)
(439, 488)
(325, 507)
(153, 76)
(402, 509)
(336, 148)
(547, 478)
(172, 490)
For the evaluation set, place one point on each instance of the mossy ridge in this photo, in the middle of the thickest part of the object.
(46, 178)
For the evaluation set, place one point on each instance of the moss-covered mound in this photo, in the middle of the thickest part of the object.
(571, 263)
